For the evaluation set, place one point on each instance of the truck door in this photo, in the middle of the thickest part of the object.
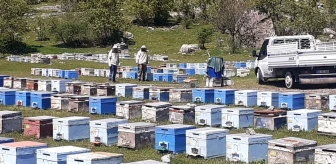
(263, 59)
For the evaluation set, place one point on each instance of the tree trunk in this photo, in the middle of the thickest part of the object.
(233, 45)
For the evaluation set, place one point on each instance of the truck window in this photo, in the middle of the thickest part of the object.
(263, 49)
(278, 41)
(304, 44)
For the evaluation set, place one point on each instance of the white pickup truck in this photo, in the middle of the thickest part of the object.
(298, 59)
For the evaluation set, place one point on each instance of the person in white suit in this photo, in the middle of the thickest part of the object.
(113, 62)
(142, 60)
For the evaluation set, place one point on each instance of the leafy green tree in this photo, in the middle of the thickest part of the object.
(41, 29)
(204, 36)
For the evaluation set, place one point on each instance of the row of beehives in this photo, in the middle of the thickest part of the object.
(25, 59)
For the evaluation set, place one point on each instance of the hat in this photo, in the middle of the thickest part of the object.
(115, 47)
(143, 47)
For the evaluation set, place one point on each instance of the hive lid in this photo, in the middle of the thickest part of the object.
(130, 102)
(5, 114)
(147, 162)
(158, 104)
(175, 126)
(208, 130)
(93, 156)
(330, 114)
(330, 147)
(270, 112)
(23, 144)
(40, 118)
(182, 107)
(292, 142)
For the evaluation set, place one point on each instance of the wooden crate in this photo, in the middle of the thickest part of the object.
(78, 104)
(105, 90)
(89, 89)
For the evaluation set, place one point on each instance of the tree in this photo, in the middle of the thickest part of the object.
(229, 17)
(204, 36)
(41, 29)
(204, 5)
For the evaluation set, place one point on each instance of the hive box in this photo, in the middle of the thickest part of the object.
(2, 77)
(224, 96)
(32, 84)
(39, 127)
(71, 128)
(147, 162)
(237, 117)
(57, 155)
(59, 85)
(6, 140)
(210, 115)
(20, 152)
(247, 98)
(95, 158)
(178, 78)
(78, 104)
(247, 148)
(71, 74)
(40, 100)
(7, 96)
(125, 90)
(183, 114)
(317, 101)
(22, 98)
(206, 142)
(129, 109)
(136, 135)
(11, 121)
(171, 137)
(60, 101)
(105, 131)
(180, 95)
(203, 95)
(103, 105)
(332, 102)
(8, 82)
(141, 92)
(132, 75)
(20, 83)
(156, 112)
(74, 87)
(268, 99)
(105, 90)
(167, 77)
(291, 150)
(89, 89)
(291, 100)
(270, 119)
(157, 76)
(44, 85)
(159, 94)
(303, 119)
(325, 154)
(327, 123)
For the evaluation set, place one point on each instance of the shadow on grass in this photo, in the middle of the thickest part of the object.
(18, 48)
(281, 84)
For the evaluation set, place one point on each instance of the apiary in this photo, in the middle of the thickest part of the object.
(180, 95)
(141, 92)
(159, 93)
(171, 138)
(7, 96)
(203, 95)
(291, 100)
(317, 101)
(136, 135)
(146, 162)
(303, 119)
(87, 71)
(74, 87)
(268, 99)
(8, 82)
(22, 98)
(38, 127)
(103, 105)
(44, 85)
(20, 83)
(224, 96)
(332, 102)
(291, 150)
(210, 115)
(237, 117)
(156, 112)
(105, 131)
(327, 123)
(105, 90)
(247, 98)
(60, 101)
(59, 85)
(20, 152)
(125, 90)
(71, 128)
(183, 114)
(11, 121)
(95, 158)
(40, 100)
(32, 84)
(325, 154)
(129, 109)
(57, 155)
(89, 89)
(270, 119)
(78, 104)
(205, 142)
(246, 147)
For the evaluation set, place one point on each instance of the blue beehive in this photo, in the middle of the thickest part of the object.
(167, 77)
(237, 117)
(71, 74)
(22, 98)
(62, 74)
(179, 78)
(240, 65)
(40, 100)
(247, 98)
(224, 96)
(183, 65)
(157, 76)
(141, 92)
(71, 128)
(200, 71)
(20, 152)
(171, 137)
(2, 77)
(212, 74)
(190, 71)
(149, 76)
(103, 105)
(132, 75)
(291, 100)
(57, 155)
(159, 94)
(136, 69)
(210, 115)
(124, 90)
(6, 140)
(303, 119)
(7, 96)
(203, 95)
(105, 131)
(59, 85)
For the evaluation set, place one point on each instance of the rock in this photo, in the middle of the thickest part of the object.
(151, 28)
(188, 48)
(129, 35)
(166, 158)
(328, 31)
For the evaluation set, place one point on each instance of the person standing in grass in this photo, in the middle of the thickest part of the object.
(142, 60)
(113, 62)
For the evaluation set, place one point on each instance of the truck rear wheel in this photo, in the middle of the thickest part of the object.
(260, 78)
(289, 80)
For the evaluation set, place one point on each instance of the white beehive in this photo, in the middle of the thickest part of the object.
(95, 158)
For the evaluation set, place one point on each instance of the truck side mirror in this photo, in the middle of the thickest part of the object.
(254, 53)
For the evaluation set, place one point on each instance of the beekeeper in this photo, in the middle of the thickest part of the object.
(142, 60)
(113, 62)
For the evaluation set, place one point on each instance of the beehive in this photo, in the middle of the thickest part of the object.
(237, 117)
(327, 123)
(71, 128)
(146, 162)
(44, 85)
(210, 115)
(78, 104)
(11, 121)
(6, 140)
(59, 85)
(2, 78)
(40, 100)
(22, 98)
(270, 119)
(180, 95)
(57, 155)
(60, 101)
(32, 84)
(183, 114)
(125, 90)
(141, 92)
(89, 89)
(95, 158)
(8, 82)
(268, 99)
(20, 83)
(303, 119)
(7, 96)
(129, 109)
(325, 154)
(156, 112)
(159, 93)
(39, 127)
(291, 100)
(224, 96)
(247, 98)
(106, 90)
(102, 105)
(74, 87)
(317, 101)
